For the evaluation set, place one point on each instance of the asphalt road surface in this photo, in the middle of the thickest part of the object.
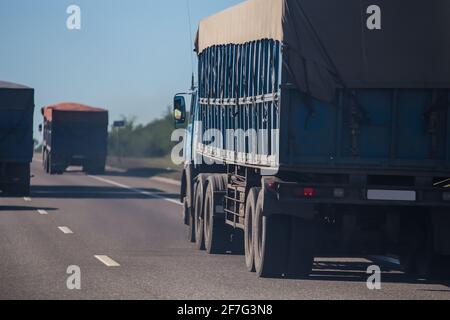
(125, 233)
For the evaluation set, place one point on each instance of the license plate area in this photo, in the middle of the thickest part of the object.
(391, 195)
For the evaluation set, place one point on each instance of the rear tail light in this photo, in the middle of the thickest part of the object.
(309, 192)
(273, 186)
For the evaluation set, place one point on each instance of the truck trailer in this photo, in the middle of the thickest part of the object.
(74, 135)
(320, 127)
(16, 138)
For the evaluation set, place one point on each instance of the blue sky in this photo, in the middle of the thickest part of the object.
(129, 56)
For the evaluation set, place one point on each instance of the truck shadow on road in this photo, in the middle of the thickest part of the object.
(24, 208)
(357, 272)
(138, 172)
(95, 192)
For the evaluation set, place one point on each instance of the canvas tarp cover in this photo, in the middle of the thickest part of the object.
(47, 112)
(330, 46)
(15, 96)
(11, 85)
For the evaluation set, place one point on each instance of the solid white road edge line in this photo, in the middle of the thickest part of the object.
(123, 186)
(107, 261)
(65, 230)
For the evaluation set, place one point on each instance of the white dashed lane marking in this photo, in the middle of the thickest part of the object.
(42, 212)
(107, 261)
(65, 230)
(27, 199)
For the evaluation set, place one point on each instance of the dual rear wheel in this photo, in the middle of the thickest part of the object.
(417, 248)
(284, 245)
(217, 233)
(274, 246)
(49, 166)
(211, 232)
(189, 222)
(199, 202)
(206, 226)
(277, 245)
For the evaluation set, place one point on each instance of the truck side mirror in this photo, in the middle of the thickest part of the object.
(179, 110)
(40, 128)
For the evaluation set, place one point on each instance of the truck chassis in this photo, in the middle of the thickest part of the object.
(282, 223)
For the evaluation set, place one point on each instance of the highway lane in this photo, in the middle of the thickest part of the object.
(126, 235)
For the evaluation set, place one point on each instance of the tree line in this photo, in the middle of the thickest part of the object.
(137, 140)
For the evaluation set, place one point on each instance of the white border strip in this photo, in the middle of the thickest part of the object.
(145, 193)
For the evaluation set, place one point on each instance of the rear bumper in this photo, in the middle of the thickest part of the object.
(75, 160)
(303, 200)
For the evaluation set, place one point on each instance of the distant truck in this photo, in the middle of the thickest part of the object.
(320, 127)
(74, 134)
(16, 138)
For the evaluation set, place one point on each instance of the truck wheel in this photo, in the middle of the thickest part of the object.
(419, 264)
(416, 253)
(270, 242)
(51, 168)
(48, 163)
(198, 216)
(250, 208)
(217, 239)
(44, 160)
(190, 223)
(302, 245)
(46, 166)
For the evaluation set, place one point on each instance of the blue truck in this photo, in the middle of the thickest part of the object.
(320, 127)
(74, 135)
(16, 138)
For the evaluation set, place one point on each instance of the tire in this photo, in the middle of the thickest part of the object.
(198, 214)
(250, 208)
(217, 236)
(46, 164)
(270, 242)
(301, 248)
(44, 160)
(189, 222)
(52, 170)
(283, 246)
(417, 258)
